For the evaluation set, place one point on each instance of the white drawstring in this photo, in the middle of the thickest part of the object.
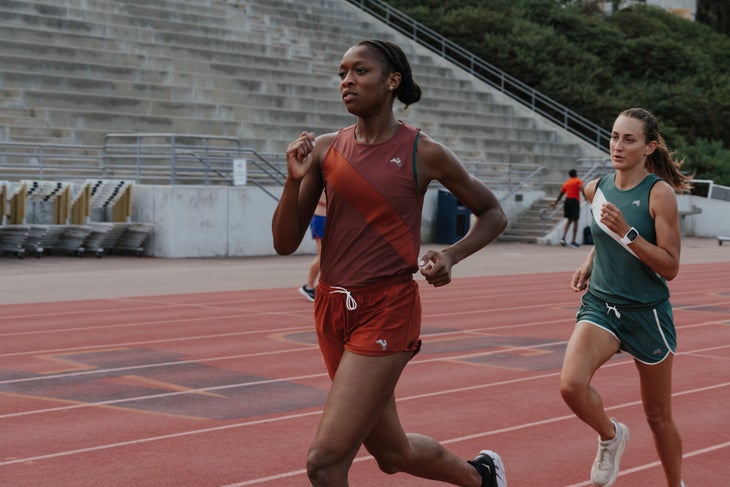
(350, 302)
(613, 308)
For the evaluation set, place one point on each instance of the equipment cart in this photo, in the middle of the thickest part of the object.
(34, 242)
(12, 238)
(94, 241)
(134, 237)
(72, 239)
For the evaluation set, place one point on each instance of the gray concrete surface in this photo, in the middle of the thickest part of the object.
(63, 278)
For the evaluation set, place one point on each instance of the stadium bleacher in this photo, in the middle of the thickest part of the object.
(259, 71)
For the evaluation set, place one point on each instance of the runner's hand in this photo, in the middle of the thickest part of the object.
(298, 160)
(436, 268)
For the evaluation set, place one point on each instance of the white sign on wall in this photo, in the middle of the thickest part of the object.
(239, 172)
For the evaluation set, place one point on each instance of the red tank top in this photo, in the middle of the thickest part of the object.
(374, 209)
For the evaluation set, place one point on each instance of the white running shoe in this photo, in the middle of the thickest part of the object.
(605, 466)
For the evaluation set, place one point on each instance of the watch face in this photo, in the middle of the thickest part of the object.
(631, 236)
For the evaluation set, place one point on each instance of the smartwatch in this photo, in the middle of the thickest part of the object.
(630, 236)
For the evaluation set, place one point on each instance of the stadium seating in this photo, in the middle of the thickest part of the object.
(258, 70)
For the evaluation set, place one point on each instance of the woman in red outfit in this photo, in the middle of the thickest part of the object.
(367, 307)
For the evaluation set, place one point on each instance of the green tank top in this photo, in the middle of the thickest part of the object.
(618, 276)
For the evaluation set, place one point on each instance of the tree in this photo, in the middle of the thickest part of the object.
(599, 65)
(715, 13)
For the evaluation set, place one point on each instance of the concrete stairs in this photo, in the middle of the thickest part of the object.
(534, 223)
(72, 71)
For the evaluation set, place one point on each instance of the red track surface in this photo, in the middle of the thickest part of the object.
(226, 388)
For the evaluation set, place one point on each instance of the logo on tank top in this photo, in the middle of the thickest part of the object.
(636, 203)
(396, 161)
(383, 343)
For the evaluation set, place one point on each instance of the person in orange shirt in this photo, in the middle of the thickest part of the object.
(572, 189)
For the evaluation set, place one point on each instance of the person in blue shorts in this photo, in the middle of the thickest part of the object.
(316, 227)
(635, 228)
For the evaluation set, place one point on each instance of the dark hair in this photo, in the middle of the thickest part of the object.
(573, 173)
(660, 161)
(408, 92)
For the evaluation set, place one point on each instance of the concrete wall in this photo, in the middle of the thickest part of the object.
(699, 217)
(713, 221)
(208, 221)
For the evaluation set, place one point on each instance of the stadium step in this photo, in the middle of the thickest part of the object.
(258, 70)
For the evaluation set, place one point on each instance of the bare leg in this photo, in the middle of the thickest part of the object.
(656, 395)
(589, 347)
(361, 409)
(416, 454)
(314, 266)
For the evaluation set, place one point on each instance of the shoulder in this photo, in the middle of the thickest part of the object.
(435, 161)
(326, 139)
(322, 144)
(662, 189)
(431, 149)
(663, 200)
(590, 188)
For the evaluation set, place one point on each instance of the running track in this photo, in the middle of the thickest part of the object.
(226, 388)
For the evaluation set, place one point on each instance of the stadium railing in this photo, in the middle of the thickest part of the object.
(488, 73)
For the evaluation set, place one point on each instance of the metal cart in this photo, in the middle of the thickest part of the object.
(134, 237)
(34, 243)
(12, 238)
(72, 239)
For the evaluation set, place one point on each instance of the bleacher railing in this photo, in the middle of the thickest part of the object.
(145, 158)
(168, 158)
(490, 74)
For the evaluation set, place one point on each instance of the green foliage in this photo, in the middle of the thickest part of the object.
(707, 159)
(598, 66)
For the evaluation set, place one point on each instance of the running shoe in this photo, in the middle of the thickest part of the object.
(574, 244)
(307, 292)
(608, 457)
(490, 466)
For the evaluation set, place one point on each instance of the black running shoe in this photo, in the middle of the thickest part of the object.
(490, 467)
(307, 292)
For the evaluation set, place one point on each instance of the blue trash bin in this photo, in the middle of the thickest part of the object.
(452, 218)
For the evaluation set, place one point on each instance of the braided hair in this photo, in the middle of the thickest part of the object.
(408, 92)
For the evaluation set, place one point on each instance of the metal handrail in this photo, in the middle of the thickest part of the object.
(179, 152)
(490, 74)
(198, 161)
(539, 172)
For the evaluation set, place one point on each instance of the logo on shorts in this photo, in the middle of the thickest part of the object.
(383, 343)
(658, 351)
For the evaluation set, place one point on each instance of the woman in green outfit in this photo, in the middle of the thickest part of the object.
(626, 306)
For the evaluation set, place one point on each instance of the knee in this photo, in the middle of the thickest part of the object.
(571, 389)
(321, 466)
(659, 423)
(391, 464)
(392, 459)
